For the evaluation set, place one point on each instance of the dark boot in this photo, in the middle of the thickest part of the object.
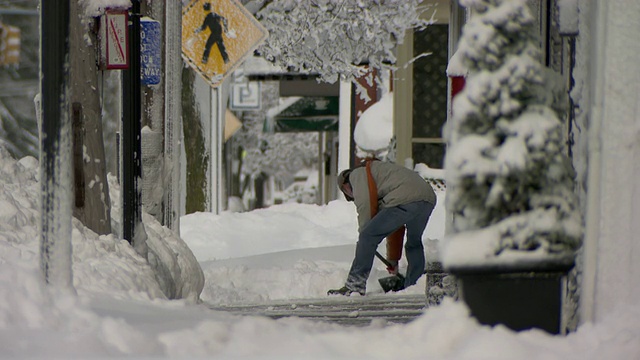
(344, 291)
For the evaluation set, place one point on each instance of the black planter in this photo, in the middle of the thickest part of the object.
(518, 297)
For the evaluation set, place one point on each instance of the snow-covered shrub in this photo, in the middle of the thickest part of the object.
(509, 179)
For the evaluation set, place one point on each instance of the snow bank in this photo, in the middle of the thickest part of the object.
(101, 263)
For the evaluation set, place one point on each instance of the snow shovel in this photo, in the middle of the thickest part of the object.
(390, 283)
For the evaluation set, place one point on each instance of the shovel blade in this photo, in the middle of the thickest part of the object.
(392, 283)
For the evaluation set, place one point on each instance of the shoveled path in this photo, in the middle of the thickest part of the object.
(351, 311)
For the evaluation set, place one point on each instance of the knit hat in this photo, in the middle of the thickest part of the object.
(343, 178)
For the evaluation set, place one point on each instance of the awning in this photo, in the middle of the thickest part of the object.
(306, 114)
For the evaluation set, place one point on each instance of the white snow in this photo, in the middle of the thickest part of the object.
(291, 251)
(94, 8)
(568, 17)
(374, 128)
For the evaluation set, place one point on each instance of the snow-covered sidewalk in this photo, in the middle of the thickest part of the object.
(287, 252)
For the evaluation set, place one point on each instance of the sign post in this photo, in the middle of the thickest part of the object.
(217, 36)
(132, 226)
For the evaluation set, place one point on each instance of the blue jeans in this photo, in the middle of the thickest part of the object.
(415, 216)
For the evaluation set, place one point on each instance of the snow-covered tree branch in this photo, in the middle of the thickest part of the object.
(337, 38)
(279, 155)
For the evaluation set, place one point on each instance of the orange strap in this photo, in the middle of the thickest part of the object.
(395, 239)
(373, 190)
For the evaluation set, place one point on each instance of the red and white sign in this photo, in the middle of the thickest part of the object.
(114, 39)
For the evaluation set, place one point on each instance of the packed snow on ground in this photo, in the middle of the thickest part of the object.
(291, 251)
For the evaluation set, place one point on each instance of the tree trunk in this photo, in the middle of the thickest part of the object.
(173, 65)
(92, 203)
(194, 145)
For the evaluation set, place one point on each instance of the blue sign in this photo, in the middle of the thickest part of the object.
(150, 51)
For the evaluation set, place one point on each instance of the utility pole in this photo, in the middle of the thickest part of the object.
(173, 111)
(55, 153)
(153, 102)
(163, 113)
(132, 226)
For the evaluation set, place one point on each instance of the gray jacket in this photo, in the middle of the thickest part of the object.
(396, 185)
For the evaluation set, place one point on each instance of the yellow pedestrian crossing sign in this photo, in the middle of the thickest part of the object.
(217, 35)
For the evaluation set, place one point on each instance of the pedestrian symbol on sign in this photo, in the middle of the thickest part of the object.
(215, 23)
(217, 36)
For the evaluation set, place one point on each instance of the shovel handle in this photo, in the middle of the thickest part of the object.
(386, 262)
(383, 259)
